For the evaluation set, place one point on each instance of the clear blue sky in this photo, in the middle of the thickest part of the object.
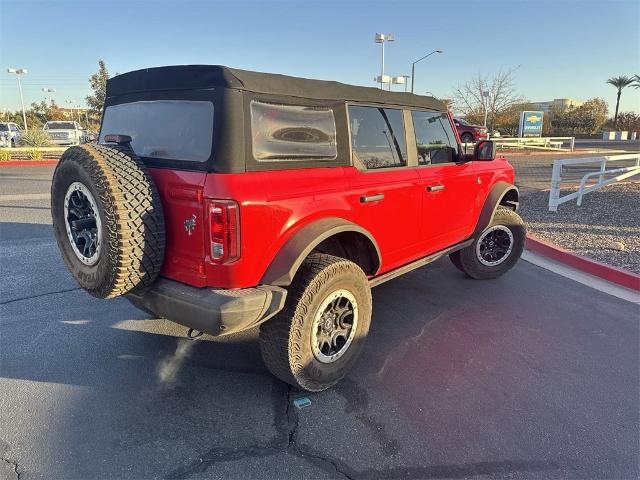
(564, 48)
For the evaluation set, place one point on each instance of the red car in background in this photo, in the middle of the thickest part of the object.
(470, 133)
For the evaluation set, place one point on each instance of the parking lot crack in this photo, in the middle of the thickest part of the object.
(287, 424)
(323, 461)
(292, 419)
(303, 451)
(30, 297)
(13, 467)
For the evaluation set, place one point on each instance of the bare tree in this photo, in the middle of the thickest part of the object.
(501, 95)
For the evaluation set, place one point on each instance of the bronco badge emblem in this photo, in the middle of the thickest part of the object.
(190, 224)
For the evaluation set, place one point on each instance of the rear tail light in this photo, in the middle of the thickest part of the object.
(224, 225)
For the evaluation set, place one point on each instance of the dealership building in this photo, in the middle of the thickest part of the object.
(557, 104)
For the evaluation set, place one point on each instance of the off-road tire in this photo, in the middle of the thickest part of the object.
(131, 213)
(285, 340)
(466, 138)
(467, 261)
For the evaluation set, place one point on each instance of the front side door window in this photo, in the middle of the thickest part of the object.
(449, 186)
(435, 139)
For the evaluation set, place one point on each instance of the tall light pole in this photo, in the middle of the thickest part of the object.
(413, 67)
(398, 81)
(79, 115)
(73, 116)
(382, 38)
(485, 100)
(49, 91)
(18, 72)
(406, 82)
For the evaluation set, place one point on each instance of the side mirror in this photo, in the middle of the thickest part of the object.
(485, 151)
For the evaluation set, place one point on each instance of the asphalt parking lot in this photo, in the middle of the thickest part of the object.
(529, 376)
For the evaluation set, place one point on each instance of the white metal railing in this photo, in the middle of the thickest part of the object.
(561, 144)
(620, 174)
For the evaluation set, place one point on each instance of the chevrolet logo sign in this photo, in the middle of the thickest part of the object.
(533, 118)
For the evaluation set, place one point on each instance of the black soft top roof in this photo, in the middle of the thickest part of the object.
(198, 77)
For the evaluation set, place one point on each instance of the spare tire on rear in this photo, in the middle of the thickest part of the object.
(107, 219)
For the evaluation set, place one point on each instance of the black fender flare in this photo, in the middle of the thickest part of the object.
(498, 192)
(285, 264)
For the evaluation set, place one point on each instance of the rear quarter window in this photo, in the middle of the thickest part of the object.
(292, 132)
(163, 129)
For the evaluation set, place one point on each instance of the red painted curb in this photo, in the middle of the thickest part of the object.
(612, 274)
(31, 163)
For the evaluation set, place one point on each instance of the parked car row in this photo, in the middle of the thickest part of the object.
(60, 132)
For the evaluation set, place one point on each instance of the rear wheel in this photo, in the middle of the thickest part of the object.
(466, 138)
(496, 249)
(316, 339)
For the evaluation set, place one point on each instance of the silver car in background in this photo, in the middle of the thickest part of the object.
(10, 134)
(64, 132)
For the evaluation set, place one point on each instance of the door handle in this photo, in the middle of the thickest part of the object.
(435, 188)
(372, 198)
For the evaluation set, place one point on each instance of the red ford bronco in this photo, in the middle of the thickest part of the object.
(224, 199)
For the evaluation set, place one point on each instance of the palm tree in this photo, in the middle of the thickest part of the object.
(619, 82)
(636, 81)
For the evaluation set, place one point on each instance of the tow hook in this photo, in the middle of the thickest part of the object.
(193, 334)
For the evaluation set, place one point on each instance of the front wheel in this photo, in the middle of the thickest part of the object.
(496, 249)
(316, 339)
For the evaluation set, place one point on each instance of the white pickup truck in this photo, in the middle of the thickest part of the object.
(64, 132)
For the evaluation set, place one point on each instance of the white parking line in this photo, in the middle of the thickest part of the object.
(581, 277)
(24, 196)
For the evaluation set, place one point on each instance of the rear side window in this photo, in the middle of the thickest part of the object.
(435, 139)
(377, 136)
(292, 132)
(163, 129)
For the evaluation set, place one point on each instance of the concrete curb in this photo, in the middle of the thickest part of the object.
(29, 163)
(607, 272)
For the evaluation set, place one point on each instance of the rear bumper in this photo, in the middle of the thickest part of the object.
(214, 311)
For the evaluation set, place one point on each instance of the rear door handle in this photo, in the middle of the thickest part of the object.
(435, 188)
(372, 198)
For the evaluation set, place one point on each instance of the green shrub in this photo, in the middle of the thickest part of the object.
(35, 138)
(5, 155)
(34, 154)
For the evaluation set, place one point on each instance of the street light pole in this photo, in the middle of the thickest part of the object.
(70, 103)
(413, 67)
(406, 83)
(18, 72)
(50, 91)
(382, 38)
(485, 95)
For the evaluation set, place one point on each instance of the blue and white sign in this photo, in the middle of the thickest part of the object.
(530, 124)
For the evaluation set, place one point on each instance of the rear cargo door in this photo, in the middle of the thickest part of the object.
(173, 133)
